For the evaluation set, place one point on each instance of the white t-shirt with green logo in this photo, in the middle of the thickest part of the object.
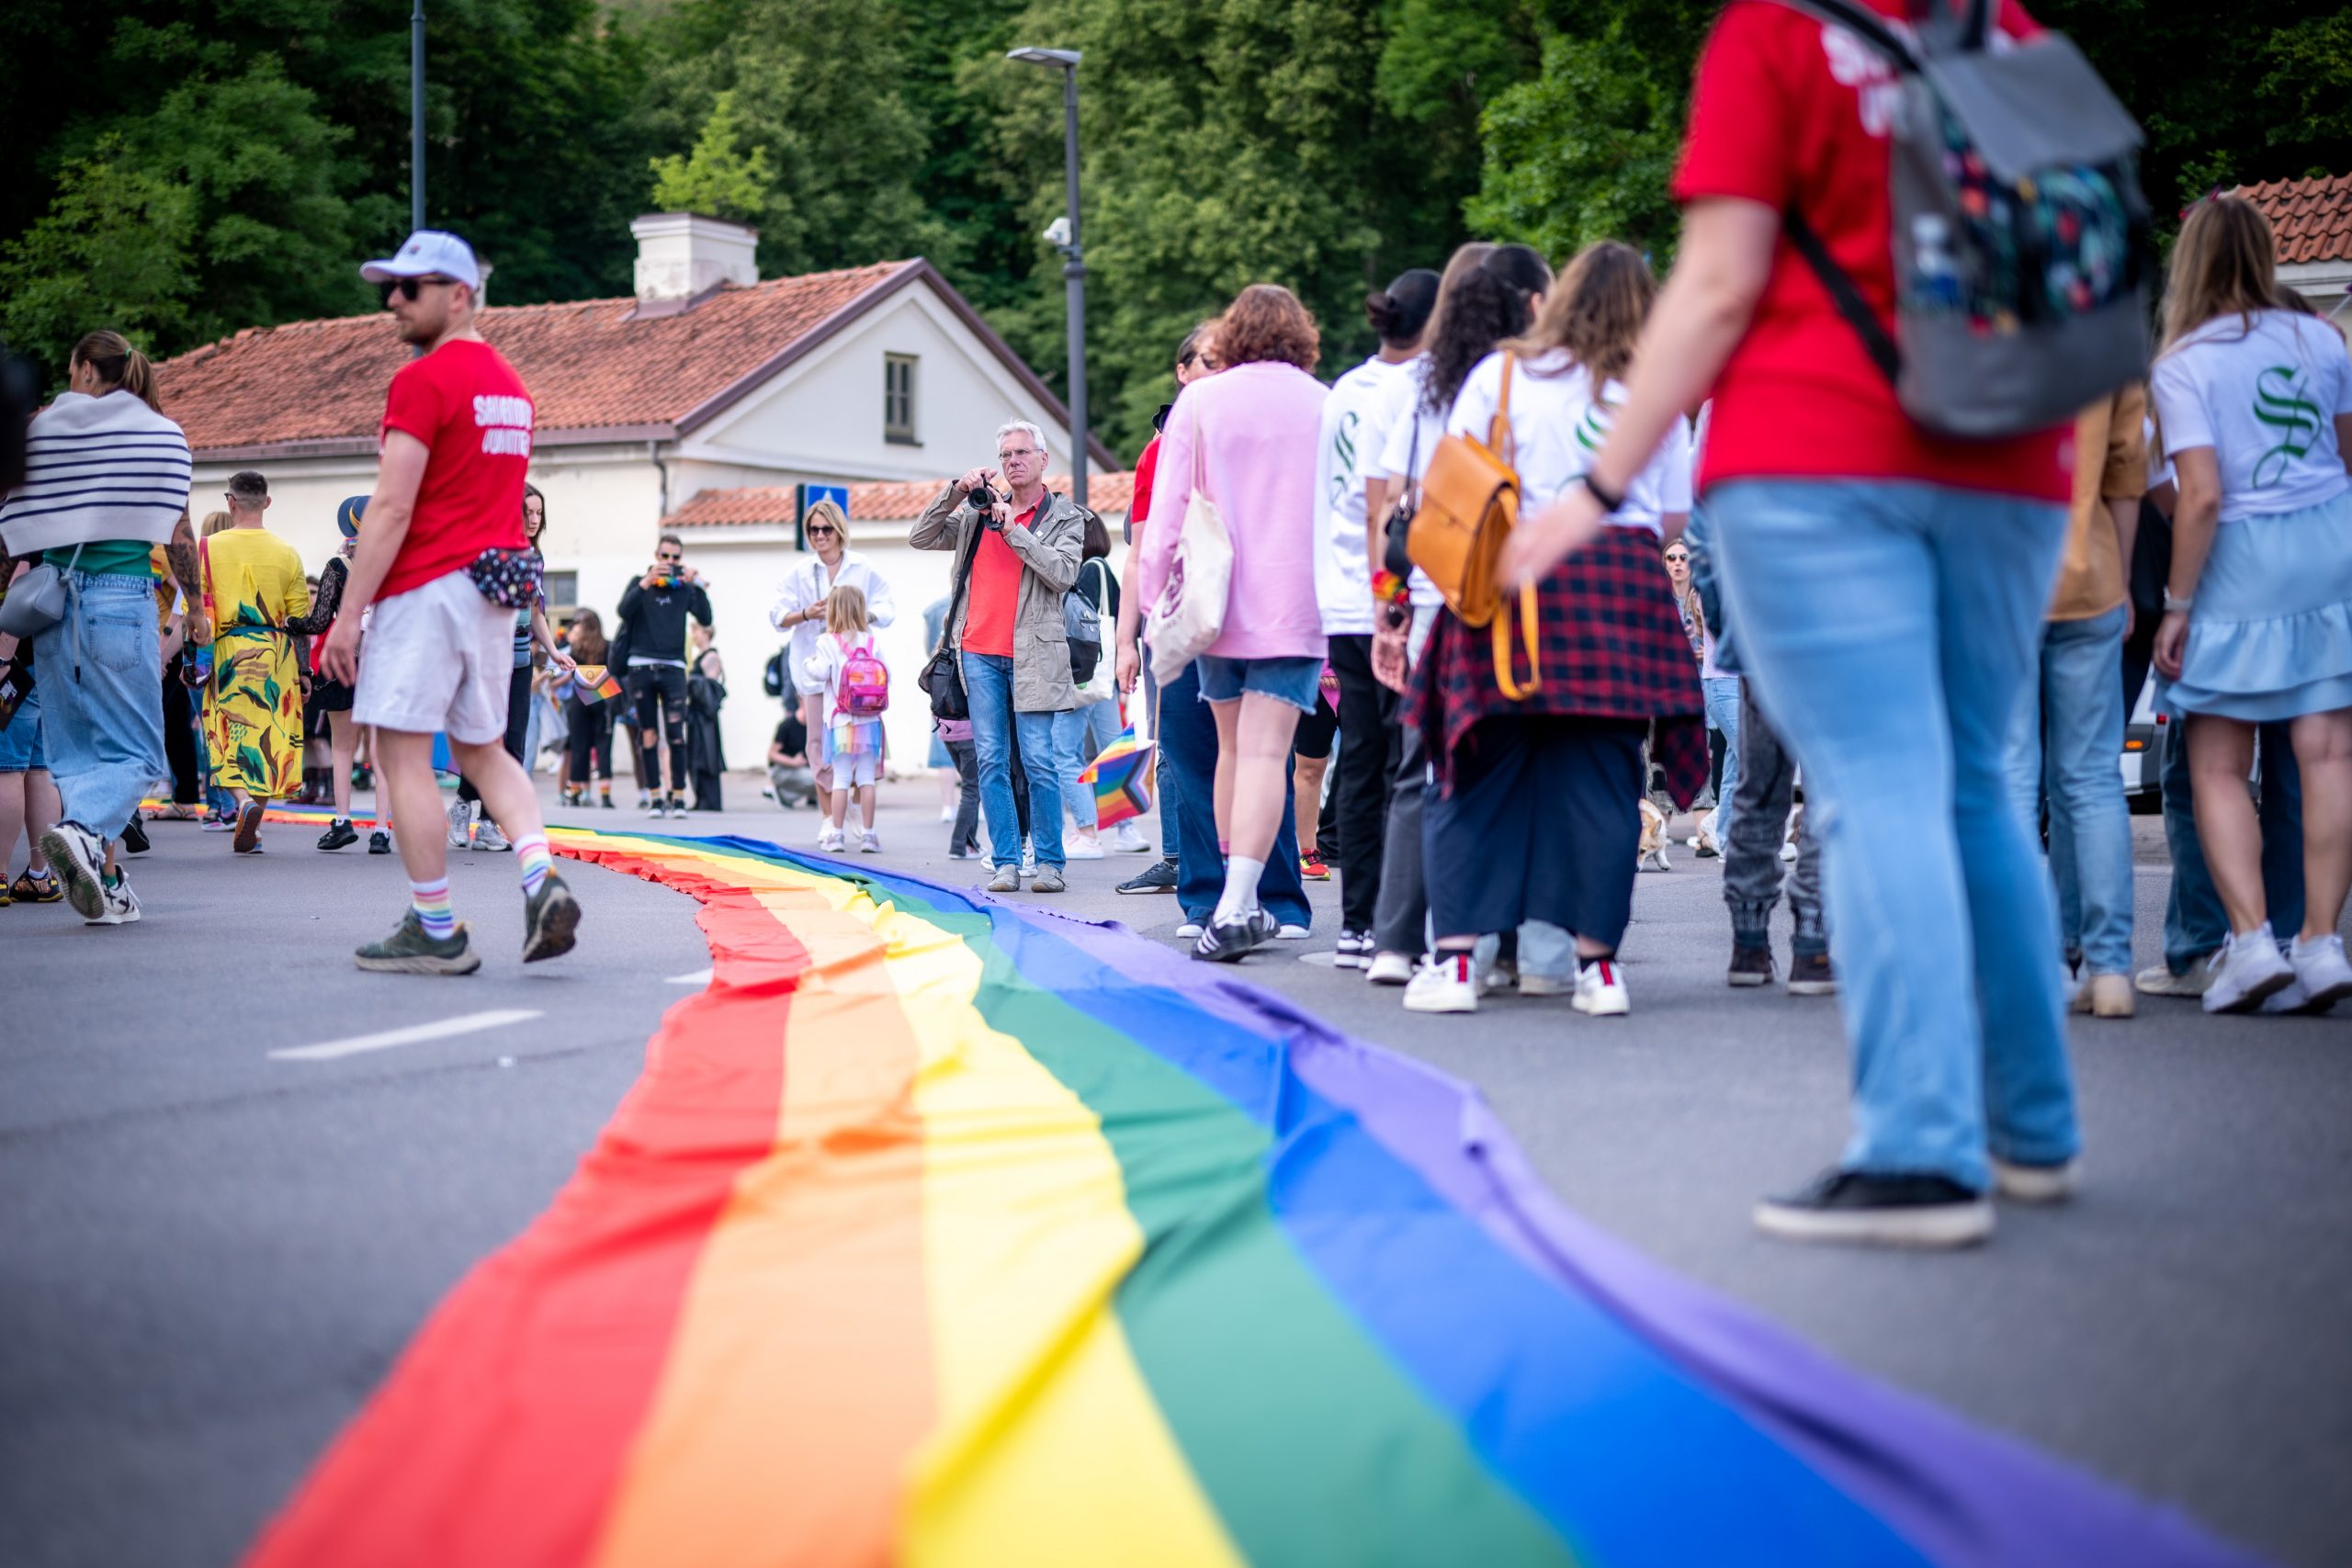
(2264, 399)
(1343, 457)
(1557, 427)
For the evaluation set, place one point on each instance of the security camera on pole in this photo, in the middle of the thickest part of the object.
(1062, 234)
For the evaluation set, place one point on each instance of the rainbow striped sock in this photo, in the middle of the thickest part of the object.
(531, 855)
(431, 901)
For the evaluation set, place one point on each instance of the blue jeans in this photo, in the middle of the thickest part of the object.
(2195, 921)
(1722, 713)
(1170, 788)
(988, 680)
(1187, 783)
(1070, 760)
(2068, 739)
(102, 714)
(1891, 628)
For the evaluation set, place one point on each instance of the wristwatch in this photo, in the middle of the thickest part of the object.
(2172, 604)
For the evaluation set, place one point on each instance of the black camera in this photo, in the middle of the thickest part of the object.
(981, 497)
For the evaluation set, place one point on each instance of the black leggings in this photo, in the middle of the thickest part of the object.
(518, 723)
(589, 742)
(660, 689)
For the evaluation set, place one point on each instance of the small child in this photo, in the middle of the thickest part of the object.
(852, 743)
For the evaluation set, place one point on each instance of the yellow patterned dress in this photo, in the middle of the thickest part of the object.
(252, 709)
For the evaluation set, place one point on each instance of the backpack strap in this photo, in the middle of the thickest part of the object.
(1871, 28)
(1499, 440)
(1845, 294)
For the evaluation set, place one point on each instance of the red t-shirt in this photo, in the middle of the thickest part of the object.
(465, 403)
(995, 591)
(1139, 509)
(1785, 109)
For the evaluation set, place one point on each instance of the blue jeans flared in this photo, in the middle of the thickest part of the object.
(101, 702)
(2068, 742)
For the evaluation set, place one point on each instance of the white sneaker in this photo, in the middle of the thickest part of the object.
(1188, 929)
(946, 813)
(1390, 968)
(118, 905)
(1290, 933)
(2288, 999)
(1788, 849)
(869, 843)
(488, 837)
(1601, 990)
(1450, 985)
(2158, 980)
(2320, 970)
(461, 822)
(1028, 858)
(2247, 970)
(78, 857)
(830, 840)
(1501, 976)
(1129, 841)
(1534, 985)
(1083, 845)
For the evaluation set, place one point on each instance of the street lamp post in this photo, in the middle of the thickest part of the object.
(1073, 255)
(416, 117)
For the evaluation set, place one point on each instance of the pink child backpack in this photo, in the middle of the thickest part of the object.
(866, 683)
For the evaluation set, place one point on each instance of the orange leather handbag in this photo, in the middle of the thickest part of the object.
(1469, 504)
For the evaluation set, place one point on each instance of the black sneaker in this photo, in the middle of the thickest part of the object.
(1354, 951)
(339, 833)
(408, 950)
(1868, 1209)
(1225, 942)
(550, 916)
(1750, 967)
(1159, 876)
(1809, 975)
(380, 842)
(134, 836)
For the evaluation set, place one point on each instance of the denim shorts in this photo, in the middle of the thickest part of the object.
(1298, 681)
(21, 749)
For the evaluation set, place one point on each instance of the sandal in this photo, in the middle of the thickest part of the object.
(178, 811)
(31, 889)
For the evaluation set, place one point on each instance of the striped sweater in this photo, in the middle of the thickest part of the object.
(96, 468)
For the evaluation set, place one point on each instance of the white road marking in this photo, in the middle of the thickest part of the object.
(467, 1023)
(699, 977)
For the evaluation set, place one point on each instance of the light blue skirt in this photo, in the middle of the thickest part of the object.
(2271, 634)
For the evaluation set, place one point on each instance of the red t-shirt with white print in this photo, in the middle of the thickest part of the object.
(465, 403)
(1786, 109)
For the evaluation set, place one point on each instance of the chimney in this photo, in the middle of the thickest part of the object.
(682, 255)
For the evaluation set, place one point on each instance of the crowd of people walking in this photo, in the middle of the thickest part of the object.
(1490, 589)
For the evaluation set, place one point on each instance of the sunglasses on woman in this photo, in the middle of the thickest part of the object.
(824, 531)
(1677, 560)
(408, 288)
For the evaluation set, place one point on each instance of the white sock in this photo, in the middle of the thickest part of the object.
(1241, 894)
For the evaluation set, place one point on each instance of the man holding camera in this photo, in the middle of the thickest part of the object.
(650, 649)
(1017, 546)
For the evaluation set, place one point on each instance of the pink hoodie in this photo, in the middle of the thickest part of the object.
(1261, 422)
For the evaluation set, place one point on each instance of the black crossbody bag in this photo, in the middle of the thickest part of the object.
(942, 676)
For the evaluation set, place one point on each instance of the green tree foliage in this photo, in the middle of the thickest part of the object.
(718, 178)
(114, 246)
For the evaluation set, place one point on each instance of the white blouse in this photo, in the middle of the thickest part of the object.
(809, 584)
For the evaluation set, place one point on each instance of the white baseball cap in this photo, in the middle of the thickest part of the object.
(428, 253)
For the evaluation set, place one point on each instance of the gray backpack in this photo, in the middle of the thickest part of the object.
(2020, 237)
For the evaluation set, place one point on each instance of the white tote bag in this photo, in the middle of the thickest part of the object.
(1191, 611)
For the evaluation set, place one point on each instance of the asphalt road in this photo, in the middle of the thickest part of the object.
(210, 1255)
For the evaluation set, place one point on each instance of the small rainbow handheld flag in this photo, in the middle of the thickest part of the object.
(1121, 776)
(597, 684)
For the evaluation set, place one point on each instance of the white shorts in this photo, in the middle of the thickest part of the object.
(438, 658)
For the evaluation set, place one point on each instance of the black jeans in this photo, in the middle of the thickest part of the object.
(660, 692)
(965, 835)
(1369, 745)
(180, 736)
(589, 740)
(518, 723)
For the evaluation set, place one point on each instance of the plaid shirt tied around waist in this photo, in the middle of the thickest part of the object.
(1612, 646)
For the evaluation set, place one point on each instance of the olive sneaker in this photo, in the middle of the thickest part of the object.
(408, 950)
(550, 916)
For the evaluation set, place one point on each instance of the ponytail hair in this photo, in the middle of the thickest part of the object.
(1399, 312)
(121, 367)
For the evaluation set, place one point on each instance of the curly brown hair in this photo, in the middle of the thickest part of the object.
(1266, 322)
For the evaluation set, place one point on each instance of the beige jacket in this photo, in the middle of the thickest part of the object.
(1049, 551)
(2111, 464)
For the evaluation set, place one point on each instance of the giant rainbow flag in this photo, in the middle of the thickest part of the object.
(945, 1231)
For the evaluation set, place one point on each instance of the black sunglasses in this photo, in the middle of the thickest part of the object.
(824, 531)
(408, 288)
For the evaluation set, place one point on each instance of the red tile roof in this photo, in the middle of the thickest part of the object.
(597, 369)
(900, 501)
(2313, 218)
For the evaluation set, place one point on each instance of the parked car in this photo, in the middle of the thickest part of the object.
(2143, 760)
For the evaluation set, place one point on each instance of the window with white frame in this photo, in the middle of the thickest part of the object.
(898, 398)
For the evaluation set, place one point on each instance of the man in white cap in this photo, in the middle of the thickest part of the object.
(444, 530)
